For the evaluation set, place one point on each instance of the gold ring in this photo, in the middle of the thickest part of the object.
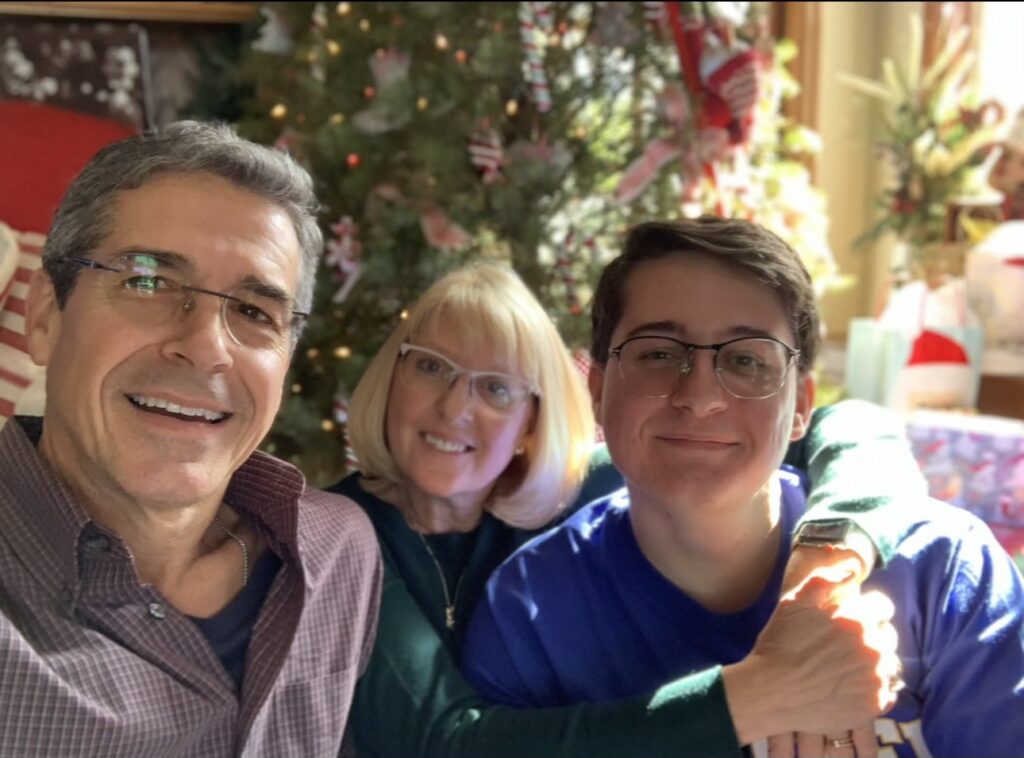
(846, 741)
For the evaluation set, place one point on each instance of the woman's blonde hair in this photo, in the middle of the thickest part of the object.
(494, 311)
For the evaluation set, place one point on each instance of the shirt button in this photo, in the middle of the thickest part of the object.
(157, 611)
(98, 544)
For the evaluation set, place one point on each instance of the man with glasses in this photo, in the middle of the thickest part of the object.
(705, 333)
(165, 589)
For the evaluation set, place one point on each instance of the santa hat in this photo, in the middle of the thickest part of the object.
(938, 374)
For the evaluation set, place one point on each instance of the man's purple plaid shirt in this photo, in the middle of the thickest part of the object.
(92, 663)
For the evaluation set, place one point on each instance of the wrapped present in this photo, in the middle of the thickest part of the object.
(977, 463)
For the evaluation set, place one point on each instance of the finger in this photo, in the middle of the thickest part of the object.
(864, 742)
(890, 671)
(803, 561)
(810, 745)
(840, 745)
(885, 639)
(822, 586)
(870, 608)
(781, 746)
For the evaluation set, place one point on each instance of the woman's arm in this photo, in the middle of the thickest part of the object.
(861, 470)
(412, 701)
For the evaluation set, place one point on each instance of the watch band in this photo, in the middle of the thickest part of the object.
(837, 535)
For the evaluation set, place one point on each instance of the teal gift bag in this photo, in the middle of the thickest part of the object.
(878, 367)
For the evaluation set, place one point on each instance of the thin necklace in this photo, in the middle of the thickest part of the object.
(449, 602)
(242, 545)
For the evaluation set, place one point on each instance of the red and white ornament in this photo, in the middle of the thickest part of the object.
(486, 153)
(344, 254)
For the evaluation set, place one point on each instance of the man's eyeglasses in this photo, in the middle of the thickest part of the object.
(749, 368)
(423, 368)
(151, 291)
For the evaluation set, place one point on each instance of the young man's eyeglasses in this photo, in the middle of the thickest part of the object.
(151, 291)
(749, 368)
(422, 367)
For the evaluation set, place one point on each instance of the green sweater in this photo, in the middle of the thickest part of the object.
(412, 701)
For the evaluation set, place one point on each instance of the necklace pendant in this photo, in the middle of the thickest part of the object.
(449, 617)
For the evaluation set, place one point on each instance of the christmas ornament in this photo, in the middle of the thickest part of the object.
(275, 37)
(441, 232)
(290, 141)
(732, 86)
(339, 408)
(390, 110)
(343, 257)
(486, 153)
(535, 23)
(641, 172)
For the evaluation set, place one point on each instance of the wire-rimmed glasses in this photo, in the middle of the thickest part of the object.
(151, 290)
(429, 369)
(749, 368)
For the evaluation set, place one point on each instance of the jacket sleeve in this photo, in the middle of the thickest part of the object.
(412, 701)
(861, 469)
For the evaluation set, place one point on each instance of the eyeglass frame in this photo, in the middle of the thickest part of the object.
(460, 371)
(792, 354)
(95, 265)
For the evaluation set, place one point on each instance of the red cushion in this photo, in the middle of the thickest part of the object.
(42, 148)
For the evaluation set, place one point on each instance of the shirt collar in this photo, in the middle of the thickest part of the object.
(44, 523)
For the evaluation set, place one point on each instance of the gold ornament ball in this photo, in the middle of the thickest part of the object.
(327, 425)
(422, 103)
(441, 42)
(336, 119)
(333, 47)
(344, 9)
(296, 388)
(512, 107)
(343, 352)
(312, 353)
(364, 25)
(279, 111)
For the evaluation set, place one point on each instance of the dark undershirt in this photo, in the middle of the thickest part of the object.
(230, 630)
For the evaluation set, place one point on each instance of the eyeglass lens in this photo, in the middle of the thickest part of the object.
(150, 291)
(748, 368)
(502, 392)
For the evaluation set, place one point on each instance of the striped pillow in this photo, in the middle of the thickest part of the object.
(21, 381)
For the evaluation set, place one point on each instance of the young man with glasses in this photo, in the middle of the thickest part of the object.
(704, 336)
(165, 589)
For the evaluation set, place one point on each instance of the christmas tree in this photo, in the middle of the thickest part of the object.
(529, 132)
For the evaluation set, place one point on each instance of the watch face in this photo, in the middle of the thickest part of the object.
(814, 532)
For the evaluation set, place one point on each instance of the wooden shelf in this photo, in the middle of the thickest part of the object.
(187, 12)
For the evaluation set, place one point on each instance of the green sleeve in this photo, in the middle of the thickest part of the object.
(861, 469)
(411, 701)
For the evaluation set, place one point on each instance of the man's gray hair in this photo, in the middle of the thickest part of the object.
(84, 217)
